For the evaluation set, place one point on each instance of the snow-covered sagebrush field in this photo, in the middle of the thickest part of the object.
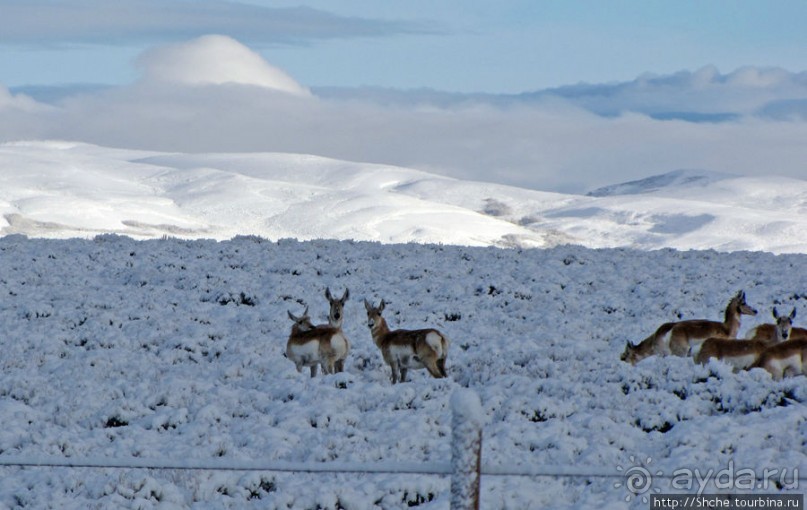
(173, 349)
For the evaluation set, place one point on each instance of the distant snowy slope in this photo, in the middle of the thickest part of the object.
(63, 190)
(674, 179)
(60, 189)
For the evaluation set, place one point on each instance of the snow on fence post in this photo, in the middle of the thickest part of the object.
(466, 449)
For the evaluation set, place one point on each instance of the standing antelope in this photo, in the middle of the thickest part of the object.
(786, 358)
(743, 353)
(679, 338)
(311, 346)
(768, 331)
(404, 349)
(335, 317)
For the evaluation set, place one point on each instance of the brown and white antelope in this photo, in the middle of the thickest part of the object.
(786, 358)
(336, 315)
(404, 349)
(680, 338)
(743, 353)
(312, 346)
(768, 332)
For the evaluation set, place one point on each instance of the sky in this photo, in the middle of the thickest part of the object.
(560, 96)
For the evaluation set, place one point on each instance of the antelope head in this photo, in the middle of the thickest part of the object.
(374, 314)
(629, 355)
(301, 323)
(337, 313)
(740, 306)
(784, 323)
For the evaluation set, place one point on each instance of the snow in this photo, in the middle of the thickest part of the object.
(65, 189)
(466, 407)
(145, 318)
(466, 443)
(123, 349)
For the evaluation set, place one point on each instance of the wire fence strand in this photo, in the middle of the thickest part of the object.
(392, 467)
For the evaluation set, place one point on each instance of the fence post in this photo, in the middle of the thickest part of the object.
(466, 449)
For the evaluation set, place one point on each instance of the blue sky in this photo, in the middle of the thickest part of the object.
(552, 95)
(507, 46)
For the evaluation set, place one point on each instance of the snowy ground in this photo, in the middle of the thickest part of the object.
(173, 349)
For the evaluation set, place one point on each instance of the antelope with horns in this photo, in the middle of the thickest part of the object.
(679, 338)
(335, 317)
(311, 346)
(404, 349)
(743, 353)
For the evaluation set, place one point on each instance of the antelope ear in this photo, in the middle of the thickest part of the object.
(775, 313)
(793, 314)
(305, 312)
(381, 306)
(328, 293)
(345, 295)
(367, 305)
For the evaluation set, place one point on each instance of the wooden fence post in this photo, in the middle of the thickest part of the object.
(466, 449)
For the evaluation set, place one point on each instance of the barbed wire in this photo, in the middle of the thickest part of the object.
(392, 467)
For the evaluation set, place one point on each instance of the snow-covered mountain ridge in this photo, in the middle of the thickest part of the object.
(62, 189)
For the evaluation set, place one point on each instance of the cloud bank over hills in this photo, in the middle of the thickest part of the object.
(703, 95)
(214, 94)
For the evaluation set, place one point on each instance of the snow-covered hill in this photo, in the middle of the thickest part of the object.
(60, 190)
(674, 179)
(169, 349)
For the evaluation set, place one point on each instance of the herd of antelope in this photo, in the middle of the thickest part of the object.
(327, 346)
(779, 348)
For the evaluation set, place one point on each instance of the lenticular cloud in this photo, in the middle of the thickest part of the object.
(215, 59)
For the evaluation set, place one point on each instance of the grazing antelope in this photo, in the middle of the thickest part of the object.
(767, 332)
(404, 349)
(335, 317)
(786, 358)
(679, 338)
(743, 353)
(311, 346)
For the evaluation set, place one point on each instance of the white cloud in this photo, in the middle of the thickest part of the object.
(551, 141)
(19, 102)
(215, 59)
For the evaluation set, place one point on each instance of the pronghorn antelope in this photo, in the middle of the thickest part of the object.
(335, 317)
(404, 349)
(311, 346)
(743, 353)
(301, 323)
(786, 358)
(767, 332)
(679, 338)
